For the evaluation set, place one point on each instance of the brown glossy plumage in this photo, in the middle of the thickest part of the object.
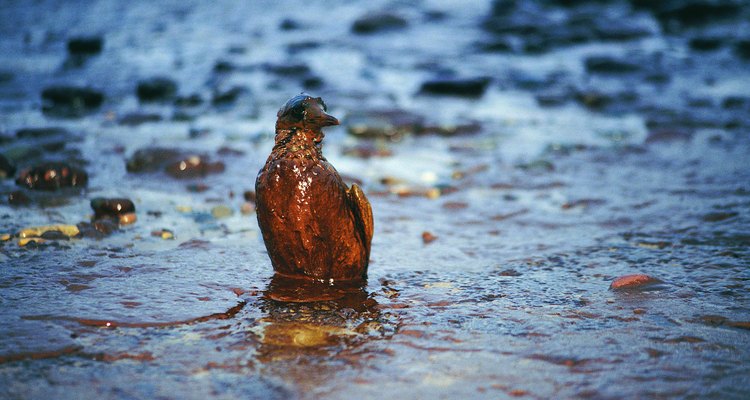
(313, 225)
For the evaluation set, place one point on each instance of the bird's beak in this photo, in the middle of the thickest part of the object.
(328, 120)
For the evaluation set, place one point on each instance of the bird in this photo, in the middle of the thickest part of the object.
(313, 225)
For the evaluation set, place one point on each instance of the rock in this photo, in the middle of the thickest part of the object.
(43, 133)
(247, 208)
(194, 167)
(288, 24)
(156, 89)
(70, 101)
(249, 196)
(193, 100)
(736, 103)
(428, 237)
(221, 211)
(165, 234)
(719, 216)
(634, 282)
(112, 208)
(378, 22)
(7, 169)
(469, 87)
(85, 45)
(742, 49)
(292, 69)
(662, 135)
(223, 67)
(390, 124)
(137, 118)
(68, 231)
(609, 65)
(18, 198)
(684, 14)
(98, 229)
(227, 97)
(52, 176)
(152, 159)
(705, 43)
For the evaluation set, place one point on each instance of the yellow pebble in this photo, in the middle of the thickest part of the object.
(127, 219)
(37, 231)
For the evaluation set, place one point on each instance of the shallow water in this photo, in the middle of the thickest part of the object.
(534, 214)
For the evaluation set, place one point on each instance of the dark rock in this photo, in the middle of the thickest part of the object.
(156, 89)
(294, 48)
(742, 48)
(111, 207)
(661, 135)
(312, 82)
(70, 101)
(52, 176)
(98, 229)
(736, 103)
(194, 167)
(85, 45)
(18, 198)
(152, 159)
(288, 24)
(287, 69)
(692, 13)
(609, 65)
(391, 124)
(7, 169)
(228, 97)
(378, 22)
(134, 119)
(705, 43)
(552, 98)
(223, 66)
(470, 87)
(719, 216)
(6, 76)
(193, 100)
(249, 195)
(42, 133)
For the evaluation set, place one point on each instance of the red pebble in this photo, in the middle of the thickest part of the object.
(633, 281)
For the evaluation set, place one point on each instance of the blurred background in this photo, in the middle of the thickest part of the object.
(518, 155)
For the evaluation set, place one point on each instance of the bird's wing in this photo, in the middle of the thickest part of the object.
(362, 214)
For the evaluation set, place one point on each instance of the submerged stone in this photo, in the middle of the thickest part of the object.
(194, 167)
(7, 169)
(152, 159)
(111, 207)
(18, 198)
(379, 22)
(52, 176)
(85, 45)
(156, 89)
(469, 87)
(70, 101)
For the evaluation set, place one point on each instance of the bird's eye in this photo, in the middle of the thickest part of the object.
(298, 112)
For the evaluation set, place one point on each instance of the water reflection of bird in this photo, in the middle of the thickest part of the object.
(313, 225)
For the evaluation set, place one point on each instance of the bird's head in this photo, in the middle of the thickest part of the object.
(304, 112)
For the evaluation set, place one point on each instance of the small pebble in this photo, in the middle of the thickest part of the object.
(247, 208)
(635, 281)
(221, 212)
(165, 234)
(428, 237)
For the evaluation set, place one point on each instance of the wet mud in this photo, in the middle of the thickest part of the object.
(560, 194)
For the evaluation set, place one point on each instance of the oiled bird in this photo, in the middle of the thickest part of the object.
(313, 225)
